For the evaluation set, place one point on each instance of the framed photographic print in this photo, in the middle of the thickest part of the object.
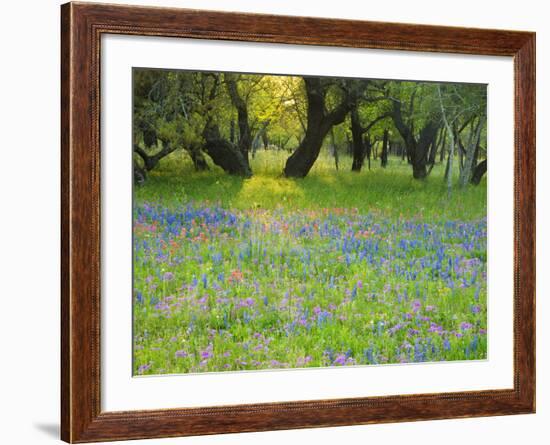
(275, 222)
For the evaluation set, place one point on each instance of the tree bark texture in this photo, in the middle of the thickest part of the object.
(245, 137)
(319, 123)
(416, 147)
(151, 161)
(478, 172)
(384, 154)
(359, 151)
(224, 154)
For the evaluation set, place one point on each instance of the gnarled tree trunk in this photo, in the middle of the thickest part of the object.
(479, 170)
(224, 154)
(417, 149)
(359, 151)
(197, 156)
(470, 154)
(319, 123)
(245, 137)
(151, 161)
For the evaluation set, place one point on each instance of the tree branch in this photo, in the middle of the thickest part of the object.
(374, 122)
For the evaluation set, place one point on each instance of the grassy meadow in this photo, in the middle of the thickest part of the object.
(336, 269)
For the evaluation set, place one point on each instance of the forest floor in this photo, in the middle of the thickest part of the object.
(335, 269)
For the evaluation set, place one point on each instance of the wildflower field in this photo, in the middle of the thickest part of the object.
(336, 269)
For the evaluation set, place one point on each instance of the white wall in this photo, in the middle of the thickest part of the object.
(29, 218)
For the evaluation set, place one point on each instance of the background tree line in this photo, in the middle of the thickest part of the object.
(229, 117)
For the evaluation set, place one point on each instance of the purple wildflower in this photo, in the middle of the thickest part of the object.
(340, 359)
(301, 361)
(144, 368)
(465, 326)
(395, 328)
(435, 328)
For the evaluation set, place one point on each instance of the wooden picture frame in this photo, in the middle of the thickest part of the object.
(82, 25)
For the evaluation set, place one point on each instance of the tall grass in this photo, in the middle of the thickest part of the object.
(390, 191)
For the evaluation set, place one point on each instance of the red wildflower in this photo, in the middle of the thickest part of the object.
(236, 275)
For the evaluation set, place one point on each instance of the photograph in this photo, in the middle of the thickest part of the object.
(290, 221)
(278, 221)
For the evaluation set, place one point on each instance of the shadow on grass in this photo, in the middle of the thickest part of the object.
(390, 192)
